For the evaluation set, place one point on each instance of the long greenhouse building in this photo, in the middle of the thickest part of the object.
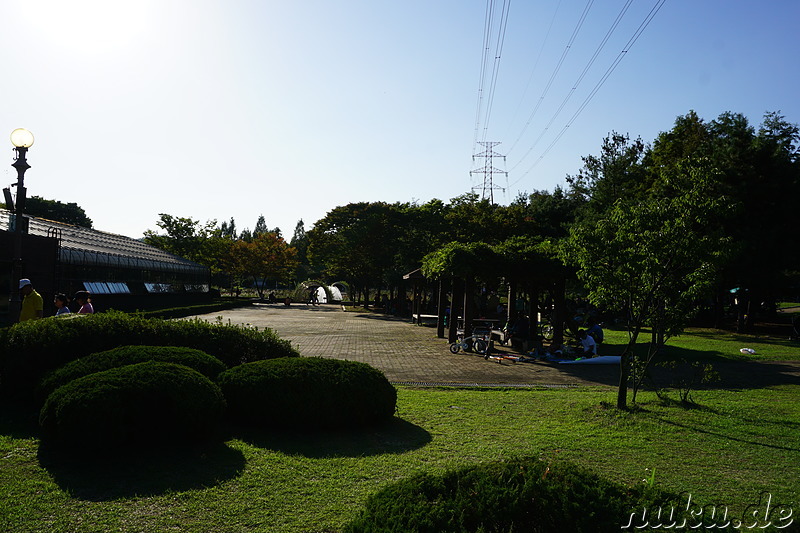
(120, 272)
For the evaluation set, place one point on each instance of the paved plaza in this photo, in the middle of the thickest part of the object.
(405, 352)
(411, 354)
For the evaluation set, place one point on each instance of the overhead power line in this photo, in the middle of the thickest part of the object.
(570, 42)
(638, 33)
(533, 72)
(486, 97)
(578, 81)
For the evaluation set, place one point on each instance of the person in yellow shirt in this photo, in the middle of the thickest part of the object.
(32, 303)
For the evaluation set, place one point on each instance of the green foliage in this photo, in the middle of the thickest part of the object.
(183, 236)
(308, 393)
(619, 172)
(506, 496)
(70, 213)
(355, 242)
(758, 171)
(29, 349)
(143, 404)
(458, 259)
(265, 256)
(653, 259)
(127, 355)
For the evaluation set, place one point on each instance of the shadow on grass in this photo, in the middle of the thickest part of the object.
(130, 474)
(396, 436)
(18, 421)
(704, 430)
(735, 373)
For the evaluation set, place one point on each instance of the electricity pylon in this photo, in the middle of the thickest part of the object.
(488, 170)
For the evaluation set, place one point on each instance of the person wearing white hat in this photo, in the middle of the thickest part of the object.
(32, 302)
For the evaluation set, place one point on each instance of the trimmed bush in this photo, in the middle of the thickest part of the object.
(30, 349)
(307, 392)
(128, 355)
(147, 403)
(515, 495)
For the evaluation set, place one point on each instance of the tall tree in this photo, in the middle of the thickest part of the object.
(183, 236)
(355, 242)
(759, 173)
(618, 171)
(228, 229)
(266, 257)
(299, 242)
(652, 259)
(70, 213)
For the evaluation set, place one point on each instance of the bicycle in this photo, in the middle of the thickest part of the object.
(476, 342)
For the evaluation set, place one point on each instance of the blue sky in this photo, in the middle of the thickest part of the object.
(212, 110)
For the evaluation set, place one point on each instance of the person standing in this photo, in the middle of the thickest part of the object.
(32, 303)
(85, 303)
(61, 301)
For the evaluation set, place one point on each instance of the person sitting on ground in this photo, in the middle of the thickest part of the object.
(588, 344)
(520, 333)
(32, 302)
(595, 331)
(84, 301)
(61, 302)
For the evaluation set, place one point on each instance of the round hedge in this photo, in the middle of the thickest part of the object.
(28, 350)
(128, 355)
(147, 403)
(505, 496)
(308, 393)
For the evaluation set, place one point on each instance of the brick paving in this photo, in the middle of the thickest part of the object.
(405, 352)
(411, 354)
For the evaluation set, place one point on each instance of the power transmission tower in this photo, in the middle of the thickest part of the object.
(488, 170)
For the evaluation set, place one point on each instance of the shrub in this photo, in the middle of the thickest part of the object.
(515, 495)
(127, 355)
(308, 392)
(29, 349)
(145, 403)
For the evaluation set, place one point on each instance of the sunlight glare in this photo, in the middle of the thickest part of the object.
(86, 26)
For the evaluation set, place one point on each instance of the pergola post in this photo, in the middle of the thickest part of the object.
(440, 307)
(456, 297)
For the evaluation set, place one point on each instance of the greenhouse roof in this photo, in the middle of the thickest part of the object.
(88, 246)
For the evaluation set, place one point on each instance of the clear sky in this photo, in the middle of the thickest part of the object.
(218, 109)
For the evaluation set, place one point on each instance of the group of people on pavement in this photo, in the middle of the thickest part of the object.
(33, 303)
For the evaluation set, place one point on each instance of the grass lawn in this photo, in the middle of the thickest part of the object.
(736, 446)
(714, 344)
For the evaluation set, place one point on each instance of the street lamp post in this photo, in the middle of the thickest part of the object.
(22, 139)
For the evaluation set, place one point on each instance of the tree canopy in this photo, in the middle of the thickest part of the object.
(69, 213)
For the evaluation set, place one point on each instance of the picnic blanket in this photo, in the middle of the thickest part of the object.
(600, 360)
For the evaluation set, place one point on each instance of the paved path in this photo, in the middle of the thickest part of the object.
(407, 353)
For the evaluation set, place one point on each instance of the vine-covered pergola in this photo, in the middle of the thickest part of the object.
(526, 266)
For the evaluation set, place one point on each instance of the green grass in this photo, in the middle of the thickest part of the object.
(727, 452)
(699, 343)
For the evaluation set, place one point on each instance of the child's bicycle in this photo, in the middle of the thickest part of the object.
(475, 342)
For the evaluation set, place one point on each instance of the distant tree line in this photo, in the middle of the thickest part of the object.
(69, 213)
(259, 255)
